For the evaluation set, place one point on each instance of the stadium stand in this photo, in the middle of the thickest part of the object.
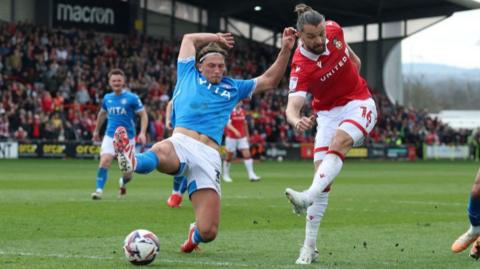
(52, 82)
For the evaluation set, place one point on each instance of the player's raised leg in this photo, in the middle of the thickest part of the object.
(325, 174)
(161, 156)
(473, 233)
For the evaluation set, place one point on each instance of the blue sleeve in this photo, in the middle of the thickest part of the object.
(137, 103)
(185, 66)
(245, 87)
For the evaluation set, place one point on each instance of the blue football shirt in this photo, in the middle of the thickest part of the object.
(204, 107)
(121, 110)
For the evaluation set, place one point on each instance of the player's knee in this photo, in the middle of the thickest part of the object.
(105, 163)
(208, 233)
(341, 143)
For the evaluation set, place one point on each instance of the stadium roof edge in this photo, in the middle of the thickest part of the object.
(276, 14)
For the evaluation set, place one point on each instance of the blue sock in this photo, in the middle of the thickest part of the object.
(146, 162)
(102, 174)
(183, 185)
(474, 210)
(180, 184)
(197, 239)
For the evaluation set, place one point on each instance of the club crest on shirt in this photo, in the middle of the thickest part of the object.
(338, 44)
(123, 101)
(319, 64)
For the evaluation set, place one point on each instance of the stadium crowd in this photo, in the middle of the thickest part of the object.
(52, 82)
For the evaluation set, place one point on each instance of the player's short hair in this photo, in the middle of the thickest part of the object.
(212, 47)
(307, 15)
(116, 71)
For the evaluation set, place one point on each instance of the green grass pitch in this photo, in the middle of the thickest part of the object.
(380, 215)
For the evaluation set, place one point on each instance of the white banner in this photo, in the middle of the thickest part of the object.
(8, 150)
(447, 152)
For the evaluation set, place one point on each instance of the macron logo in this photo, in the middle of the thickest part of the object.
(85, 14)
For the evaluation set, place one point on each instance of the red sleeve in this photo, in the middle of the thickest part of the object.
(298, 78)
(335, 29)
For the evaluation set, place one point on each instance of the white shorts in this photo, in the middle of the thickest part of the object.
(232, 144)
(107, 145)
(357, 118)
(202, 163)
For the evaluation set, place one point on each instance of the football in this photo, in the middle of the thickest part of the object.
(141, 247)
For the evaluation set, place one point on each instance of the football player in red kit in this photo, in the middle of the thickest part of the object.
(325, 67)
(236, 138)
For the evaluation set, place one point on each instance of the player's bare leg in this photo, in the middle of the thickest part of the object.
(325, 174)
(206, 203)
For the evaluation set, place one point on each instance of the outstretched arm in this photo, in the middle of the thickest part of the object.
(191, 42)
(275, 73)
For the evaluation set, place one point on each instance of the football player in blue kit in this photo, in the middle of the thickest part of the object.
(202, 102)
(120, 108)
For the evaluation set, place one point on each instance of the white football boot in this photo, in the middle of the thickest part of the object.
(307, 255)
(253, 177)
(227, 178)
(97, 195)
(300, 200)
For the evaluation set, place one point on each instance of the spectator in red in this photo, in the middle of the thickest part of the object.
(47, 102)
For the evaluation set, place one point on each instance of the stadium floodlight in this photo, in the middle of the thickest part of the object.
(257, 8)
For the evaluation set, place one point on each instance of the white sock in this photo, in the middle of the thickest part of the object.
(226, 169)
(474, 229)
(315, 214)
(249, 165)
(326, 173)
(99, 191)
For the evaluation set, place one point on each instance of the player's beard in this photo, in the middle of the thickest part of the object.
(319, 49)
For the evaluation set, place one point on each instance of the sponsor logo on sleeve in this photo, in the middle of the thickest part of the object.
(293, 83)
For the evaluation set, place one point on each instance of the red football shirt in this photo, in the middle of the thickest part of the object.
(332, 77)
(237, 119)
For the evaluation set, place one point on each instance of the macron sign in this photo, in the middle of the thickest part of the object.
(92, 15)
(104, 16)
